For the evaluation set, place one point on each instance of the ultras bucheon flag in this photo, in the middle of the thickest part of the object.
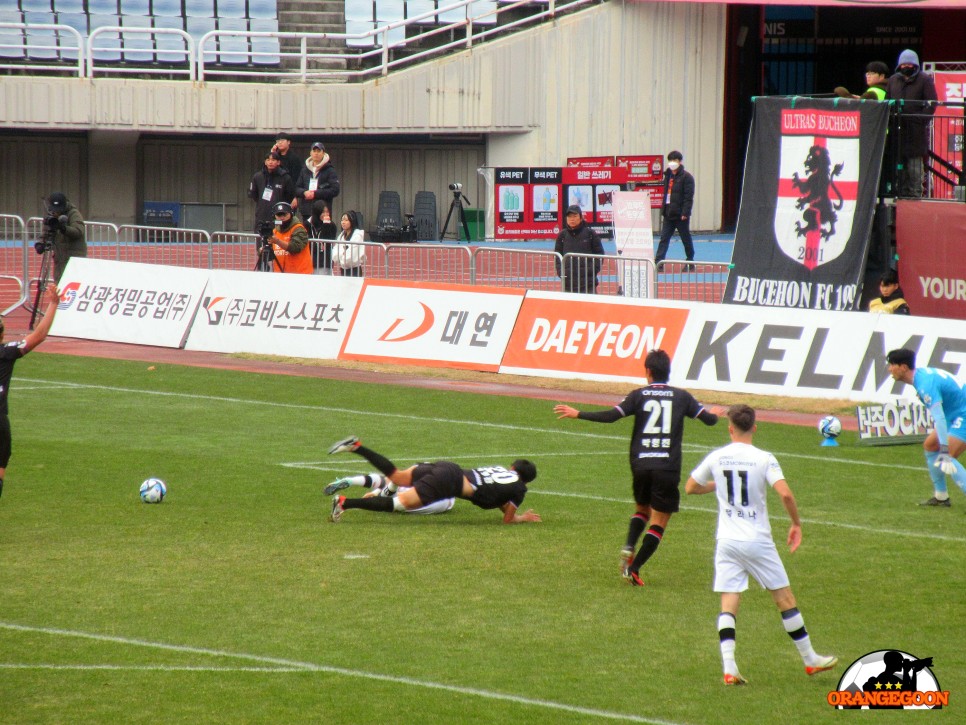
(809, 194)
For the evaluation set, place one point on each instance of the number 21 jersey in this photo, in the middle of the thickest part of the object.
(659, 411)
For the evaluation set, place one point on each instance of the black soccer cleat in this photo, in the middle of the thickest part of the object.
(345, 446)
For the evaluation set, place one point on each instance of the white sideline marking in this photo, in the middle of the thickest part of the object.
(284, 665)
(819, 522)
(558, 431)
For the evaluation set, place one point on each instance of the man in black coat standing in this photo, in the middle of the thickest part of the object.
(578, 238)
(915, 92)
(676, 209)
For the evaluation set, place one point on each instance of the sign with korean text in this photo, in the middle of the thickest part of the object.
(142, 304)
(299, 315)
(528, 203)
(634, 239)
(432, 324)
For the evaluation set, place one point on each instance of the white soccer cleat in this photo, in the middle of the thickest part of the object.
(337, 485)
(822, 664)
(337, 509)
(345, 446)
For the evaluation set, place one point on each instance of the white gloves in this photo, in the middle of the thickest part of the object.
(945, 462)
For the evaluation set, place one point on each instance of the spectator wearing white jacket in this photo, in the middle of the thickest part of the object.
(349, 250)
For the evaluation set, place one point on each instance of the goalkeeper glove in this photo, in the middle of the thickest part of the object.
(945, 462)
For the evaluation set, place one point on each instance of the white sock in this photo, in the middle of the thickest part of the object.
(726, 636)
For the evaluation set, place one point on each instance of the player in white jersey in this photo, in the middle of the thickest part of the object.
(740, 474)
(380, 485)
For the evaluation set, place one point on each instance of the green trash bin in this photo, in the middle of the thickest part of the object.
(476, 222)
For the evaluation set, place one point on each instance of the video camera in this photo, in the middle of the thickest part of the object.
(456, 186)
(266, 229)
(52, 225)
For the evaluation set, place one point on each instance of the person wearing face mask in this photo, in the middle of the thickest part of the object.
(676, 209)
(915, 93)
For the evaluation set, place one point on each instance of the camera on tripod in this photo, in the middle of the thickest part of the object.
(52, 225)
(266, 230)
(456, 187)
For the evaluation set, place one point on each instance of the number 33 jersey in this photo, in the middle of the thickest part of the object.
(742, 474)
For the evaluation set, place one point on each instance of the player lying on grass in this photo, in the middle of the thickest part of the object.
(945, 397)
(489, 487)
(740, 474)
(379, 485)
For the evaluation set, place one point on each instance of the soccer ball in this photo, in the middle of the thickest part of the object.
(153, 490)
(830, 426)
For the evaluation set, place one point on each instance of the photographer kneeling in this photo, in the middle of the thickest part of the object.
(64, 229)
(288, 243)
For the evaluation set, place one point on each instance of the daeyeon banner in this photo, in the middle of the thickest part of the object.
(807, 203)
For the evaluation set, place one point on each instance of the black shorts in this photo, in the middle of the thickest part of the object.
(4, 441)
(436, 481)
(658, 489)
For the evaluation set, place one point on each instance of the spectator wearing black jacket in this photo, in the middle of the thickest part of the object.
(290, 160)
(578, 238)
(317, 181)
(676, 208)
(268, 187)
(915, 93)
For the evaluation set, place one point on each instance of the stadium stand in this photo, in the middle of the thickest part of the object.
(265, 51)
(105, 46)
(102, 7)
(69, 6)
(232, 9)
(36, 6)
(167, 9)
(199, 8)
(417, 8)
(233, 49)
(138, 47)
(263, 10)
(136, 7)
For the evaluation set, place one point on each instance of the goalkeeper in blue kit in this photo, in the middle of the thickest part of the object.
(945, 398)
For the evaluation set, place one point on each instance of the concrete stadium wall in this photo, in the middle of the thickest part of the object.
(614, 79)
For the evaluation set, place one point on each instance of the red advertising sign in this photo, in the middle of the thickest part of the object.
(642, 168)
(932, 268)
(590, 162)
(947, 129)
(528, 203)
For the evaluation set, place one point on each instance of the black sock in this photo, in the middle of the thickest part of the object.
(1, 487)
(382, 464)
(651, 539)
(373, 503)
(636, 528)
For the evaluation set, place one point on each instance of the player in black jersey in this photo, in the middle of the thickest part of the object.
(491, 487)
(9, 354)
(659, 411)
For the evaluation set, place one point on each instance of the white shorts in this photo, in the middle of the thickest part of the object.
(436, 507)
(735, 560)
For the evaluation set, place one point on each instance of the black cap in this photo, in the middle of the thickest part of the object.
(282, 207)
(282, 136)
(574, 209)
(318, 145)
(57, 201)
(902, 356)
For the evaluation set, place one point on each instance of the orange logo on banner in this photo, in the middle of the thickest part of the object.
(590, 337)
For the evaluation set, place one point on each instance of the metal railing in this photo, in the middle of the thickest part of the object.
(487, 266)
(170, 52)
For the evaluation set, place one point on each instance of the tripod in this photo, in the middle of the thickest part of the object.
(43, 279)
(266, 257)
(456, 206)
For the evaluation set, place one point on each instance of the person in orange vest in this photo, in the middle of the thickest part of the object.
(290, 242)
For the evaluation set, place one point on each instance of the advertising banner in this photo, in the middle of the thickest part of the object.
(807, 203)
(634, 238)
(932, 267)
(432, 324)
(595, 338)
(947, 130)
(528, 203)
(299, 315)
(143, 304)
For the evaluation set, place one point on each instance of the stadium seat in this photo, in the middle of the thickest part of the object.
(451, 16)
(69, 6)
(77, 21)
(199, 8)
(484, 10)
(389, 215)
(41, 43)
(389, 11)
(11, 39)
(136, 7)
(415, 8)
(166, 9)
(102, 7)
(359, 10)
(197, 27)
(171, 48)
(138, 47)
(268, 49)
(263, 9)
(425, 216)
(107, 46)
(33, 6)
(357, 27)
(233, 49)
(231, 9)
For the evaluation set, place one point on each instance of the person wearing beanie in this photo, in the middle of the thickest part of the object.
(915, 96)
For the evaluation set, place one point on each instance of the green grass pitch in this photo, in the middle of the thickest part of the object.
(236, 601)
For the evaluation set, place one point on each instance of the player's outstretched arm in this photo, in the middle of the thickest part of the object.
(39, 334)
(788, 501)
(510, 515)
(693, 487)
(565, 411)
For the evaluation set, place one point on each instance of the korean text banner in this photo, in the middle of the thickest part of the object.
(142, 304)
(299, 315)
(809, 193)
